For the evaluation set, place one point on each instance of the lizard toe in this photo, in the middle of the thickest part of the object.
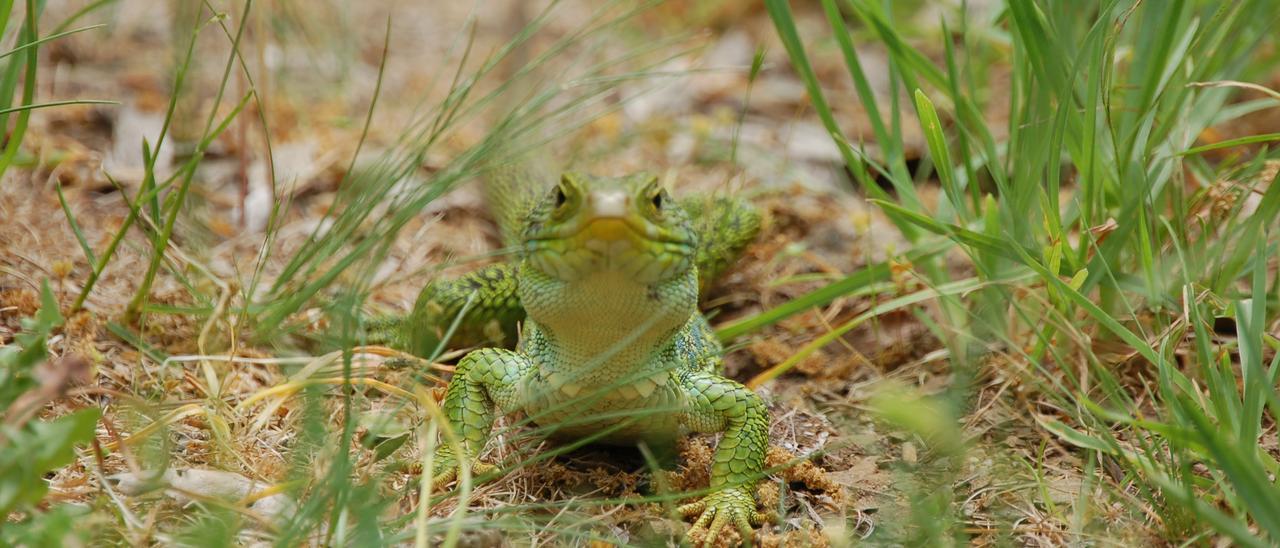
(716, 527)
(444, 477)
(692, 509)
(733, 506)
(446, 473)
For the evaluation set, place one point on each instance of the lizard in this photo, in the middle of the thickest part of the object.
(603, 299)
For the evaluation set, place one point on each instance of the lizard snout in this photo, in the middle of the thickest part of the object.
(612, 203)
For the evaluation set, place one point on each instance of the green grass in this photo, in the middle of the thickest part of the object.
(1105, 105)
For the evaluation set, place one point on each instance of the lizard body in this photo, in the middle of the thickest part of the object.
(612, 344)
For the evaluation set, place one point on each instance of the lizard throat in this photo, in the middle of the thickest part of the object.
(607, 321)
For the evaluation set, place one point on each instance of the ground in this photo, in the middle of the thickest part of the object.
(846, 474)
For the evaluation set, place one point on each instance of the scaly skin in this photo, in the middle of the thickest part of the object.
(613, 345)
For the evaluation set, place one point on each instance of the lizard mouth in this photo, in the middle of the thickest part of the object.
(613, 229)
(641, 250)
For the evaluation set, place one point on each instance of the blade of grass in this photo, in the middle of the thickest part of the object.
(952, 288)
(855, 282)
(75, 226)
(27, 35)
(161, 241)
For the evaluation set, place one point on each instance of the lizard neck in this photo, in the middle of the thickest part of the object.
(605, 326)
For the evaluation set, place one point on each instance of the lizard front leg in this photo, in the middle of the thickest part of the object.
(487, 380)
(717, 404)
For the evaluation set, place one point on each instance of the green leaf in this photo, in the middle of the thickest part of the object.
(49, 316)
(388, 446)
(36, 449)
(59, 437)
(1076, 437)
(937, 143)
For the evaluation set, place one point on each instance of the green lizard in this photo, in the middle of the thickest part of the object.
(612, 343)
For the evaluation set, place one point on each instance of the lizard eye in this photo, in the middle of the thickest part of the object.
(657, 201)
(561, 198)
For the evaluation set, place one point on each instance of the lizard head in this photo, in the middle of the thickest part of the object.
(629, 225)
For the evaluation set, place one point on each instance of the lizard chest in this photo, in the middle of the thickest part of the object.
(615, 411)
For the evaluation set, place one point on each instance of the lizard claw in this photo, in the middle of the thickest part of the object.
(733, 505)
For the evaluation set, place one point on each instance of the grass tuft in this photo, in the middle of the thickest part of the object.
(1094, 221)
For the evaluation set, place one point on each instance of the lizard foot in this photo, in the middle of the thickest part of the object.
(446, 468)
(732, 505)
